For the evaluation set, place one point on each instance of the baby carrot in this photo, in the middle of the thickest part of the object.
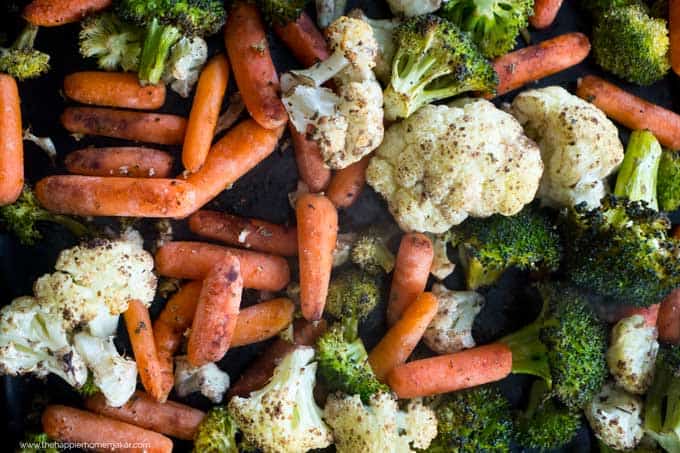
(310, 165)
(411, 271)
(304, 40)
(317, 224)
(669, 318)
(113, 89)
(403, 337)
(249, 233)
(138, 324)
(346, 184)
(674, 33)
(132, 161)
(140, 126)
(204, 112)
(51, 13)
(262, 321)
(545, 12)
(451, 372)
(11, 142)
(246, 43)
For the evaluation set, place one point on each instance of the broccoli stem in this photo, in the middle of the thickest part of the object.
(159, 39)
(529, 354)
(637, 177)
(662, 410)
(26, 39)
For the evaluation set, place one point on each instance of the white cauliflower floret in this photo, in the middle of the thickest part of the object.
(380, 426)
(579, 145)
(442, 266)
(451, 328)
(208, 379)
(187, 58)
(412, 8)
(33, 340)
(383, 32)
(282, 417)
(445, 163)
(632, 354)
(615, 416)
(114, 375)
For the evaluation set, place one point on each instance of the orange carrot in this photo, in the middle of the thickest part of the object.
(51, 13)
(140, 126)
(116, 196)
(631, 111)
(310, 165)
(317, 224)
(304, 40)
(403, 337)
(246, 43)
(451, 372)
(545, 12)
(249, 233)
(262, 321)
(67, 424)
(669, 318)
(347, 184)
(170, 418)
(138, 324)
(651, 313)
(541, 60)
(674, 33)
(11, 142)
(113, 89)
(132, 161)
(411, 271)
(204, 112)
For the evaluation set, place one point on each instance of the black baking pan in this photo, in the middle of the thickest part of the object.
(262, 193)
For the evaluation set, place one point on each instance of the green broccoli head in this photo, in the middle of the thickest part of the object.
(668, 181)
(37, 443)
(493, 25)
(216, 433)
(281, 12)
(487, 247)
(632, 45)
(21, 60)
(370, 252)
(114, 43)
(662, 406)
(434, 60)
(353, 294)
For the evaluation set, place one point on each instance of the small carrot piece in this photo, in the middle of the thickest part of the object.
(262, 321)
(535, 62)
(651, 313)
(668, 322)
(246, 43)
(249, 233)
(451, 372)
(67, 424)
(310, 165)
(674, 33)
(193, 260)
(411, 271)
(113, 89)
(304, 40)
(116, 196)
(169, 418)
(140, 126)
(545, 12)
(317, 224)
(205, 110)
(11, 142)
(138, 324)
(347, 184)
(403, 337)
(630, 110)
(52, 13)
(130, 161)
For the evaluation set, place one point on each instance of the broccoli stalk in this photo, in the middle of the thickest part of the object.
(668, 180)
(21, 60)
(281, 12)
(637, 178)
(216, 433)
(662, 407)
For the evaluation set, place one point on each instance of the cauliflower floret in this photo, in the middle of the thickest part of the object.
(442, 266)
(615, 416)
(412, 8)
(208, 379)
(445, 163)
(282, 416)
(451, 328)
(579, 145)
(379, 426)
(383, 31)
(187, 58)
(632, 354)
(114, 375)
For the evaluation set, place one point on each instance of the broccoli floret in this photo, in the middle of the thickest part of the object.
(114, 43)
(637, 178)
(37, 443)
(668, 181)
(662, 406)
(352, 294)
(434, 60)
(488, 247)
(21, 60)
(216, 433)
(166, 21)
(632, 45)
(370, 252)
(21, 218)
(281, 12)
(89, 388)
(493, 25)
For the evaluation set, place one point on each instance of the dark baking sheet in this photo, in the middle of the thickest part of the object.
(262, 193)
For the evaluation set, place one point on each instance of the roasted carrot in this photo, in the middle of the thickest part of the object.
(411, 271)
(674, 33)
(67, 424)
(170, 418)
(246, 43)
(651, 313)
(132, 161)
(545, 12)
(116, 196)
(113, 89)
(317, 224)
(310, 165)
(347, 184)
(193, 260)
(451, 372)
(262, 321)
(403, 337)
(669, 318)
(140, 126)
(249, 233)
(138, 324)
(304, 40)
(541, 60)
(11, 142)
(631, 111)
(205, 110)
(51, 13)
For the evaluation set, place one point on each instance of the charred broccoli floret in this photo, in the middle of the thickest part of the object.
(662, 406)
(668, 181)
(370, 252)
(434, 60)
(637, 178)
(216, 433)
(281, 12)
(21, 60)
(352, 293)
(113, 42)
